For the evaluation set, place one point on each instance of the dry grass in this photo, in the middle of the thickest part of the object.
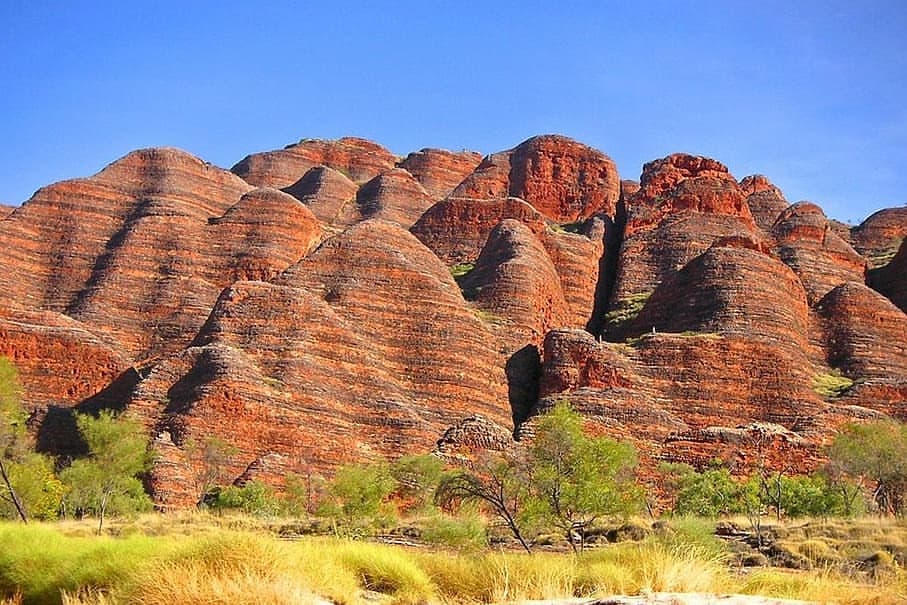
(51, 564)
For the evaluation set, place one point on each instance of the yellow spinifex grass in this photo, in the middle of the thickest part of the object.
(219, 566)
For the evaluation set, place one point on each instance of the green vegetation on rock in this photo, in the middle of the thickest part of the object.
(627, 309)
(831, 384)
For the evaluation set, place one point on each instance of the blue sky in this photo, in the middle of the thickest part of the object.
(812, 94)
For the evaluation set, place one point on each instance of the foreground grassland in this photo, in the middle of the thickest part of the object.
(205, 559)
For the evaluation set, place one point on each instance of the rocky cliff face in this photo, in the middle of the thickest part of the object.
(327, 303)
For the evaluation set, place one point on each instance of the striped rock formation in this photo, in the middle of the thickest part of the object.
(303, 307)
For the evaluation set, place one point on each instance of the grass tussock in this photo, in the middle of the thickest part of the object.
(51, 564)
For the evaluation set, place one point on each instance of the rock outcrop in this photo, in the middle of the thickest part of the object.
(562, 179)
(807, 243)
(337, 305)
(365, 348)
(879, 236)
(440, 171)
(684, 204)
(891, 279)
(329, 194)
(359, 159)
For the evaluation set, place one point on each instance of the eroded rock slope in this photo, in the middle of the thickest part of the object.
(330, 302)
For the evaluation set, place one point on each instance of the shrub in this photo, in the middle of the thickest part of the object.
(627, 309)
(253, 498)
(465, 532)
(830, 385)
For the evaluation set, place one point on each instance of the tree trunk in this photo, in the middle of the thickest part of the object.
(101, 510)
(12, 494)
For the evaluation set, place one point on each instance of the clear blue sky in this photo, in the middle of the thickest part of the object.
(812, 94)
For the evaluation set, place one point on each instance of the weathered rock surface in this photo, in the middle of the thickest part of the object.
(891, 279)
(308, 327)
(562, 179)
(439, 170)
(456, 229)
(394, 196)
(765, 201)
(879, 236)
(866, 334)
(365, 348)
(328, 193)
(6, 211)
(515, 282)
(684, 204)
(817, 254)
(359, 159)
(59, 359)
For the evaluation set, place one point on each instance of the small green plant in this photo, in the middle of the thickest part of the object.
(461, 269)
(831, 384)
(574, 227)
(627, 309)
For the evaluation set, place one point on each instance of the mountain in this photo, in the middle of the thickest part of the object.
(330, 302)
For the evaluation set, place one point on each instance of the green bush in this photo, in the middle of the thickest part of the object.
(627, 309)
(253, 498)
(831, 384)
(465, 532)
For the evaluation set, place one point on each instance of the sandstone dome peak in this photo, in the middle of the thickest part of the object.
(359, 158)
(561, 178)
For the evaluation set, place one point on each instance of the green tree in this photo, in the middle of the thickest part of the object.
(253, 498)
(417, 477)
(12, 433)
(39, 490)
(357, 495)
(709, 493)
(107, 480)
(813, 496)
(876, 453)
(499, 481)
(301, 494)
(575, 478)
(210, 458)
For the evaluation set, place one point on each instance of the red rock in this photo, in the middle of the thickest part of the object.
(59, 360)
(515, 281)
(259, 378)
(891, 279)
(684, 204)
(440, 171)
(672, 395)
(865, 332)
(628, 188)
(5, 211)
(393, 196)
(580, 261)
(63, 232)
(879, 236)
(564, 180)
(765, 201)
(210, 308)
(456, 229)
(328, 194)
(731, 291)
(358, 159)
(140, 251)
(808, 245)
(259, 236)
